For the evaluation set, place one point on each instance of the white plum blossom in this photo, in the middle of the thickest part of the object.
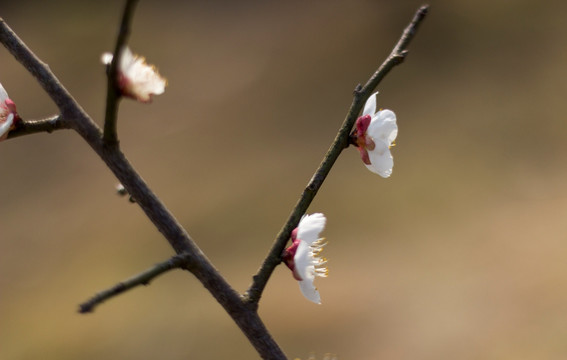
(302, 257)
(8, 114)
(136, 79)
(375, 134)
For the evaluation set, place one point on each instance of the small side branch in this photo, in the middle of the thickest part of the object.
(144, 278)
(341, 141)
(113, 93)
(48, 125)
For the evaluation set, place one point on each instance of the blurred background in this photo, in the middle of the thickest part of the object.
(460, 254)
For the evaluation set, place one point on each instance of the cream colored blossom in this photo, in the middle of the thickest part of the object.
(136, 79)
(302, 257)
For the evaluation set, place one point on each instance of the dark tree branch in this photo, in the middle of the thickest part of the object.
(113, 95)
(341, 141)
(243, 309)
(197, 263)
(29, 127)
(143, 278)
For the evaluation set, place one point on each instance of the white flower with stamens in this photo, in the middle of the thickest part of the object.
(136, 79)
(8, 114)
(375, 134)
(302, 257)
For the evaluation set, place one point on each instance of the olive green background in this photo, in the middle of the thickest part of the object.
(461, 254)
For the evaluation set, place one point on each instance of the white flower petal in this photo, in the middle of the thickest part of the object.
(127, 59)
(3, 94)
(370, 106)
(383, 127)
(141, 80)
(5, 127)
(106, 58)
(310, 226)
(383, 130)
(303, 261)
(310, 291)
(381, 160)
(146, 80)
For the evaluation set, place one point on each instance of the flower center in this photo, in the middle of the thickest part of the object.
(363, 141)
(319, 262)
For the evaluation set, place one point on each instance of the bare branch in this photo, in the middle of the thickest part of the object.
(341, 141)
(29, 127)
(243, 310)
(143, 278)
(72, 114)
(113, 93)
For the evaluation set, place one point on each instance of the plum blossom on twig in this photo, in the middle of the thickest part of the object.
(374, 136)
(136, 79)
(8, 114)
(302, 257)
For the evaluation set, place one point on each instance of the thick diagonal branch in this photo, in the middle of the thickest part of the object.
(341, 141)
(76, 118)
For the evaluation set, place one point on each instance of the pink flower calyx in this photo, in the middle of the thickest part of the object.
(289, 254)
(9, 117)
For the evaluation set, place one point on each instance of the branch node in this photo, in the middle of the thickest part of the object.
(399, 58)
(357, 90)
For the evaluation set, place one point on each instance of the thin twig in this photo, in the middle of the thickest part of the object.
(29, 127)
(143, 278)
(113, 95)
(341, 141)
(397, 56)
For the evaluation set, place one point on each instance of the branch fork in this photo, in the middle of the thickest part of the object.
(242, 308)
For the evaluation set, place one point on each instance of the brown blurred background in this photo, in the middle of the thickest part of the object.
(461, 254)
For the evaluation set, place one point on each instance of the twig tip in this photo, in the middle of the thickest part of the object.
(423, 10)
(357, 90)
(85, 309)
